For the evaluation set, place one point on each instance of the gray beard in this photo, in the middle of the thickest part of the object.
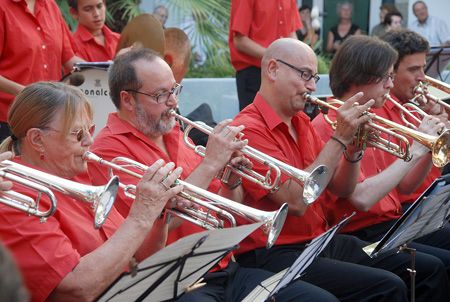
(152, 127)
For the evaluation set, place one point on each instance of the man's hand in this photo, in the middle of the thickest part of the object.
(350, 117)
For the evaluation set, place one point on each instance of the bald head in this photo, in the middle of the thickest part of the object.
(287, 49)
(177, 51)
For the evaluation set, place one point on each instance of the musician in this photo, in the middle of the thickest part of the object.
(375, 199)
(253, 26)
(93, 40)
(47, 49)
(144, 90)
(177, 52)
(276, 125)
(409, 69)
(65, 258)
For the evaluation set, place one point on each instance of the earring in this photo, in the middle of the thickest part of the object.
(41, 156)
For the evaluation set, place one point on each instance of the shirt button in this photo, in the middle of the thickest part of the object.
(38, 28)
(45, 66)
(43, 46)
(280, 8)
(281, 22)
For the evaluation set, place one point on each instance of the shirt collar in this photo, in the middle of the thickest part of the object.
(269, 115)
(84, 33)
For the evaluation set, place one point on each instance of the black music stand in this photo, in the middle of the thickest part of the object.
(426, 215)
(271, 286)
(177, 268)
(437, 61)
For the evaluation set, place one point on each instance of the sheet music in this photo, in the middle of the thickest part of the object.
(278, 281)
(150, 270)
(426, 217)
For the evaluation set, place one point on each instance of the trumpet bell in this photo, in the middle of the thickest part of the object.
(106, 197)
(439, 151)
(275, 225)
(315, 184)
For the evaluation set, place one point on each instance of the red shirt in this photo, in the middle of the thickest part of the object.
(372, 163)
(391, 112)
(88, 49)
(263, 22)
(267, 133)
(47, 252)
(119, 138)
(32, 48)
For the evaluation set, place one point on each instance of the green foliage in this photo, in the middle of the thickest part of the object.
(323, 64)
(64, 7)
(120, 12)
(209, 70)
(210, 29)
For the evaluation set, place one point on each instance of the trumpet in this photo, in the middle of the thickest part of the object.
(272, 221)
(406, 111)
(313, 182)
(423, 96)
(101, 198)
(437, 144)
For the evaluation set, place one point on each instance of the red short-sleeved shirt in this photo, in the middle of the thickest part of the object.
(391, 112)
(119, 138)
(88, 49)
(32, 48)
(388, 208)
(263, 22)
(47, 252)
(267, 133)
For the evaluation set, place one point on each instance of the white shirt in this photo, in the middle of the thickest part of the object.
(434, 30)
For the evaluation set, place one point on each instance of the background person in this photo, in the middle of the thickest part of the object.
(65, 258)
(380, 29)
(253, 26)
(308, 33)
(93, 40)
(393, 21)
(344, 29)
(432, 28)
(162, 14)
(47, 49)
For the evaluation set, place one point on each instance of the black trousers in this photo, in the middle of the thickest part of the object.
(436, 244)
(236, 282)
(4, 131)
(248, 81)
(347, 272)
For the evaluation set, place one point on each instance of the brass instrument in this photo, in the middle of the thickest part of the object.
(273, 221)
(422, 95)
(437, 144)
(313, 182)
(406, 111)
(100, 197)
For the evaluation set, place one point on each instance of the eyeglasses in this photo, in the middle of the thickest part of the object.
(79, 134)
(386, 77)
(162, 97)
(304, 74)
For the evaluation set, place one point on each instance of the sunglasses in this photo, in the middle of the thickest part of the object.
(79, 134)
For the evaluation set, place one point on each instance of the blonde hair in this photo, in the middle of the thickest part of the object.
(36, 106)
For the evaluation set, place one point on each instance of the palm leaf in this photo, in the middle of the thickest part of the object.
(210, 29)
